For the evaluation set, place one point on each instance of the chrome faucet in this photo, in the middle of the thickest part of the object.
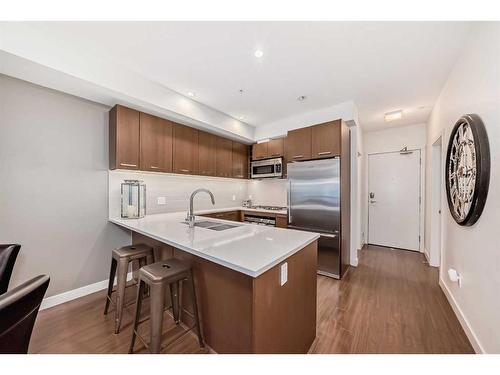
(190, 213)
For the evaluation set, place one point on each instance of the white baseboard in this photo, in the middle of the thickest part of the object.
(76, 293)
(478, 348)
(354, 262)
(427, 256)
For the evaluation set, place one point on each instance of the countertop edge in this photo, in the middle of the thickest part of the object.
(218, 261)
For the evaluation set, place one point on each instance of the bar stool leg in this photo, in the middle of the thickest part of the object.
(157, 301)
(179, 301)
(195, 308)
(120, 292)
(138, 307)
(112, 273)
(173, 299)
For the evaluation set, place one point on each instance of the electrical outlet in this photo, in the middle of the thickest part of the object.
(161, 200)
(283, 274)
(234, 197)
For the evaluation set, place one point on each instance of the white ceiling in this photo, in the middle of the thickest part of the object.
(381, 66)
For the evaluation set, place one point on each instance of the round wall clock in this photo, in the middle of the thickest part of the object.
(467, 169)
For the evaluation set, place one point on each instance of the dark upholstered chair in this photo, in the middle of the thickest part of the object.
(8, 255)
(18, 311)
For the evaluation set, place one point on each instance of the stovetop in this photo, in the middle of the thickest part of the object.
(268, 208)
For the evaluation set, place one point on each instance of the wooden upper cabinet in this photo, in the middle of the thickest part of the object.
(275, 148)
(259, 150)
(298, 144)
(156, 143)
(207, 148)
(224, 157)
(185, 149)
(240, 160)
(123, 138)
(325, 140)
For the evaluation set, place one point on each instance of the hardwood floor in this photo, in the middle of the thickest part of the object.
(390, 303)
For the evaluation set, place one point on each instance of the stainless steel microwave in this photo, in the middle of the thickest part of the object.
(269, 168)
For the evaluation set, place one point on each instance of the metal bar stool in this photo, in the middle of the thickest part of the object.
(120, 259)
(171, 272)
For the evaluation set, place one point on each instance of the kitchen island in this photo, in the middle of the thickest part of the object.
(256, 285)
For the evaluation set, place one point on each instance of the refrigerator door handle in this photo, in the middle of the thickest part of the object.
(289, 202)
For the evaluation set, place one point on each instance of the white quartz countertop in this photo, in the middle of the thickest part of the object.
(247, 248)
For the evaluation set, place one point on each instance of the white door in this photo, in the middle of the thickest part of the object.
(394, 199)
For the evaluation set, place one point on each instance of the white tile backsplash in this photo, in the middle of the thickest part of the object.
(270, 192)
(177, 189)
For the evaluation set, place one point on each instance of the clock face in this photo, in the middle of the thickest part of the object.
(467, 170)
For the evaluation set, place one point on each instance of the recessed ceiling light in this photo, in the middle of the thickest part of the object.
(258, 53)
(394, 115)
(190, 94)
(302, 98)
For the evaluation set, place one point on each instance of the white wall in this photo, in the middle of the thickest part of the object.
(177, 189)
(346, 111)
(389, 140)
(54, 186)
(473, 87)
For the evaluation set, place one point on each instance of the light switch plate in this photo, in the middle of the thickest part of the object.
(161, 200)
(283, 274)
(234, 197)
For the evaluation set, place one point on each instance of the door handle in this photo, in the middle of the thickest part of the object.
(289, 203)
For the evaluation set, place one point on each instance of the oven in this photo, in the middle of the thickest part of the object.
(269, 168)
(260, 220)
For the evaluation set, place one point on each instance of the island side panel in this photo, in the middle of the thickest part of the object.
(225, 304)
(284, 317)
(224, 299)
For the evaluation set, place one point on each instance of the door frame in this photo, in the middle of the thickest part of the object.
(421, 193)
(434, 215)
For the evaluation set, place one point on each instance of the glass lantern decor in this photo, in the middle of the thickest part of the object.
(133, 199)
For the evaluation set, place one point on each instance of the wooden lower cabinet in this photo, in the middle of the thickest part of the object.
(229, 215)
(281, 221)
(242, 314)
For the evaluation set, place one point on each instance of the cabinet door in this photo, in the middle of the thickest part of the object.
(281, 221)
(275, 148)
(207, 147)
(123, 138)
(156, 143)
(224, 157)
(326, 140)
(259, 151)
(240, 160)
(298, 144)
(185, 150)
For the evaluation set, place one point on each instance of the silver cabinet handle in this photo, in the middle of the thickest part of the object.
(324, 153)
(128, 165)
(275, 154)
(298, 156)
(154, 167)
(184, 170)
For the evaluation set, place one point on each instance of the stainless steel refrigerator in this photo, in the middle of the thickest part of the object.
(314, 205)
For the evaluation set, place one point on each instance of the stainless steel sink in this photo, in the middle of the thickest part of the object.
(212, 225)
